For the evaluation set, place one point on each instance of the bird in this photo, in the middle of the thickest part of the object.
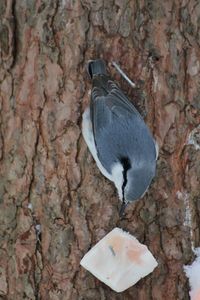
(117, 137)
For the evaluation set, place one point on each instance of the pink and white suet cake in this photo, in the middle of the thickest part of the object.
(119, 260)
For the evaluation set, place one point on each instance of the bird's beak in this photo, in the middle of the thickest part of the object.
(122, 209)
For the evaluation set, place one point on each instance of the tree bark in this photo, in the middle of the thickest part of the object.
(54, 202)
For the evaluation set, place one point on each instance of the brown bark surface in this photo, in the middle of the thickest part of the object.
(54, 202)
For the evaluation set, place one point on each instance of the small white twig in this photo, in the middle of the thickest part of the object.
(123, 74)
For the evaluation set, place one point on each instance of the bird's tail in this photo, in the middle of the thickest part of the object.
(96, 67)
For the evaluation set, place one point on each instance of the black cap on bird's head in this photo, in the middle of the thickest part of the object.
(136, 184)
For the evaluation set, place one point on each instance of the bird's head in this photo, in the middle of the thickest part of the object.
(136, 180)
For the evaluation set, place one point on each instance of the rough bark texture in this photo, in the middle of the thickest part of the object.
(54, 203)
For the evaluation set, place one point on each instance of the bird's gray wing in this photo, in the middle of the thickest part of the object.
(110, 108)
(113, 118)
(117, 99)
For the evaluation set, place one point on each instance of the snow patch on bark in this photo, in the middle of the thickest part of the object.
(194, 138)
(193, 273)
(183, 196)
(30, 206)
(38, 231)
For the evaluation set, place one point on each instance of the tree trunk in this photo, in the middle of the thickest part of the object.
(54, 202)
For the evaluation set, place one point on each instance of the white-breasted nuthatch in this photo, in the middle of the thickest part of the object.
(117, 137)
